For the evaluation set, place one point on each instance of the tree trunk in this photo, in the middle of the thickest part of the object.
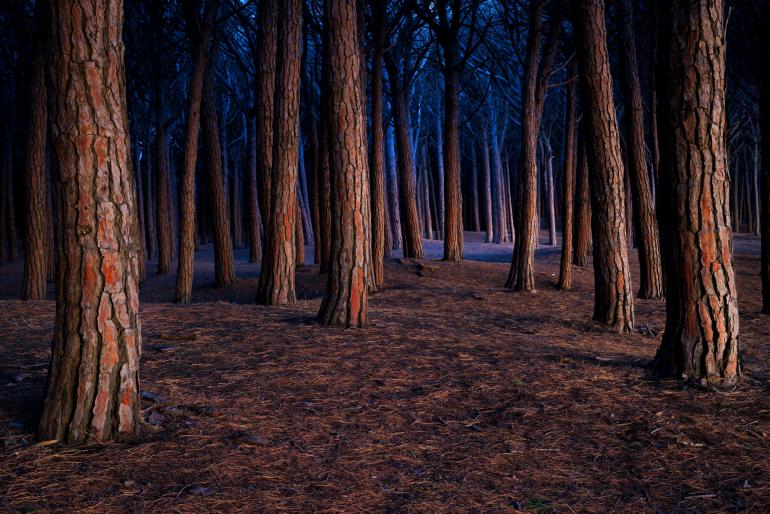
(92, 391)
(252, 205)
(411, 241)
(613, 300)
(38, 213)
(162, 188)
(224, 274)
(650, 272)
(265, 106)
(582, 208)
(324, 173)
(184, 276)
(345, 300)
(276, 282)
(551, 194)
(701, 339)
(10, 197)
(475, 220)
(377, 161)
(395, 219)
(565, 271)
(487, 189)
(453, 200)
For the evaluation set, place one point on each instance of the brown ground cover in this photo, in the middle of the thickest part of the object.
(459, 396)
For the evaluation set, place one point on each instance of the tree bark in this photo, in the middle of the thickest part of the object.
(162, 187)
(377, 163)
(701, 338)
(252, 196)
(565, 270)
(276, 282)
(551, 193)
(395, 217)
(38, 213)
(345, 300)
(92, 391)
(453, 200)
(650, 271)
(487, 188)
(265, 105)
(582, 208)
(613, 300)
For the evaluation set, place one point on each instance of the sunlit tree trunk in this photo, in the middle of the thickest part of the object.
(92, 391)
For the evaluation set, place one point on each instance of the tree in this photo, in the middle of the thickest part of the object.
(582, 209)
(92, 391)
(536, 72)
(613, 300)
(199, 28)
(276, 282)
(650, 273)
(38, 214)
(565, 271)
(701, 338)
(344, 302)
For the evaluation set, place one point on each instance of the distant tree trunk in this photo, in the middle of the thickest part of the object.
(276, 282)
(252, 198)
(235, 192)
(764, 127)
(565, 271)
(410, 224)
(701, 339)
(486, 175)
(613, 301)
(162, 188)
(582, 208)
(427, 215)
(149, 201)
(521, 276)
(345, 300)
(377, 160)
(650, 272)
(184, 276)
(38, 209)
(551, 194)
(136, 166)
(10, 197)
(441, 203)
(224, 273)
(299, 236)
(498, 209)
(392, 182)
(92, 391)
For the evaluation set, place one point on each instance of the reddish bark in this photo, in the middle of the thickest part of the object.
(565, 271)
(582, 209)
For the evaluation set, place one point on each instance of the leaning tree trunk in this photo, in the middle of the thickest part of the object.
(764, 120)
(565, 271)
(38, 209)
(613, 300)
(344, 302)
(224, 274)
(184, 275)
(701, 338)
(276, 282)
(453, 200)
(92, 391)
(411, 242)
(650, 272)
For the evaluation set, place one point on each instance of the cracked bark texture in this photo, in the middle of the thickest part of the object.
(645, 221)
(93, 379)
(224, 274)
(379, 228)
(701, 338)
(276, 281)
(345, 299)
(265, 106)
(565, 269)
(38, 213)
(613, 304)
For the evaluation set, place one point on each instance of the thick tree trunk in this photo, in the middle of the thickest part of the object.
(345, 300)
(224, 274)
(92, 390)
(411, 241)
(276, 282)
(453, 200)
(701, 339)
(582, 208)
(565, 270)
(613, 301)
(38, 209)
(184, 276)
(650, 272)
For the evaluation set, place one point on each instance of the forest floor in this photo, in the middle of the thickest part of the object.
(459, 396)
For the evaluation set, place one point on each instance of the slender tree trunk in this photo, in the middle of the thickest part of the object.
(427, 216)
(38, 209)
(345, 300)
(377, 161)
(551, 193)
(487, 189)
(224, 273)
(613, 301)
(92, 391)
(582, 209)
(276, 282)
(184, 276)
(163, 212)
(441, 203)
(565, 271)
(252, 206)
(498, 209)
(395, 219)
(650, 272)
(701, 339)
(475, 220)
(410, 224)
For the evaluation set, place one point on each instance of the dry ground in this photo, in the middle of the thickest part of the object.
(459, 396)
